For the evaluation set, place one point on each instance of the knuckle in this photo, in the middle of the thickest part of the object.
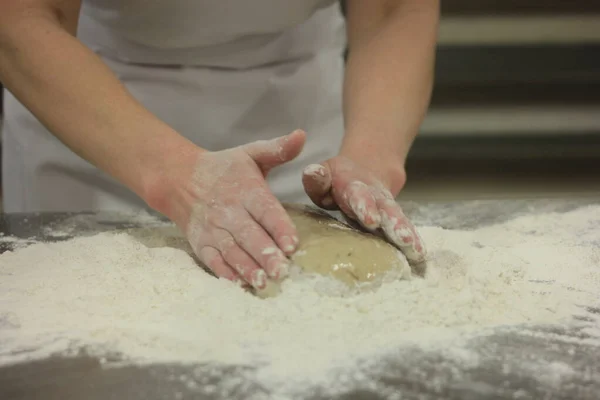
(275, 215)
(226, 246)
(198, 237)
(358, 186)
(213, 262)
(356, 190)
(211, 258)
(212, 216)
(384, 193)
(242, 269)
(258, 200)
(206, 255)
(224, 216)
(282, 227)
(269, 211)
(248, 233)
(392, 211)
(390, 204)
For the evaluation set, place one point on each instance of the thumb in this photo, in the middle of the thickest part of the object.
(268, 154)
(317, 181)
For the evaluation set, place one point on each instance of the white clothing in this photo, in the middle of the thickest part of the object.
(221, 72)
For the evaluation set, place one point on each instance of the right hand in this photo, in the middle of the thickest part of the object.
(233, 222)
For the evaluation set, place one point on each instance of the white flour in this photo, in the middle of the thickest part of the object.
(114, 293)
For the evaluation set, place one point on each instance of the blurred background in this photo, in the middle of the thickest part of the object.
(516, 105)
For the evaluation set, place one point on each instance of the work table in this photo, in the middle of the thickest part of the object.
(498, 375)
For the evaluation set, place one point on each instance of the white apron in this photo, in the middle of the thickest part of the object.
(221, 72)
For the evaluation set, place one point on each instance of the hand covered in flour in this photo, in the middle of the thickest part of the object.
(233, 222)
(340, 183)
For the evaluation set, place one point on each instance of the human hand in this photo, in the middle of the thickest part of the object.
(233, 222)
(340, 183)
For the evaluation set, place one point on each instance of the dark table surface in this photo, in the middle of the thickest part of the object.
(500, 372)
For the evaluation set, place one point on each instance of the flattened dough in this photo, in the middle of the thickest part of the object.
(331, 248)
(327, 247)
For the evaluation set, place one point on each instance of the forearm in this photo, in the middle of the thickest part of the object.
(74, 94)
(388, 82)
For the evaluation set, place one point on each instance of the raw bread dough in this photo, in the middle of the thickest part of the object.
(331, 248)
(327, 247)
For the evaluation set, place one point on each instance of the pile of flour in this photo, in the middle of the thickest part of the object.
(114, 293)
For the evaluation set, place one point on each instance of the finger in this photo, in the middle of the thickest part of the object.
(359, 196)
(268, 212)
(352, 222)
(269, 154)
(239, 260)
(215, 262)
(253, 238)
(316, 179)
(328, 203)
(400, 231)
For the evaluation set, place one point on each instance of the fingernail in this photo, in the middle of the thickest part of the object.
(327, 201)
(241, 283)
(420, 249)
(278, 268)
(258, 279)
(288, 244)
(282, 270)
(314, 169)
(354, 206)
(269, 250)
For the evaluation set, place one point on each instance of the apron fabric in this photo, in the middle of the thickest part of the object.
(237, 72)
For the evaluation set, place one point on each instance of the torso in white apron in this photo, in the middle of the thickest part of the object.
(221, 72)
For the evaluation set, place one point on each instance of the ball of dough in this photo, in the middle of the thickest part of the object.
(327, 247)
(331, 248)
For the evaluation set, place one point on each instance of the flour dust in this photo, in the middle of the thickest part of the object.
(144, 297)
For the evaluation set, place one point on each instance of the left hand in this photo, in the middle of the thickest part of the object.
(363, 197)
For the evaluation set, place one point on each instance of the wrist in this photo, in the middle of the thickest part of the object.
(386, 165)
(167, 172)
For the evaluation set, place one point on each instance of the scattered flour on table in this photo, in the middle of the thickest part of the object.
(115, 293)
(102, 221)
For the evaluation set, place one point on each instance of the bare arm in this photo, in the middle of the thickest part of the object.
(388, 81)
(219, 199)
(75, 95)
